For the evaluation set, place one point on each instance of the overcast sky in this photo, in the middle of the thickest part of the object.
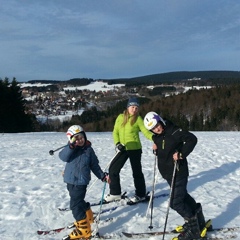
(63, 39)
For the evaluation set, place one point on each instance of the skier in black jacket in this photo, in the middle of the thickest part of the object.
(174, 144)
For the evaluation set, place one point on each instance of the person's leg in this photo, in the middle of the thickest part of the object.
(190, 201)
(79, 208)
(138, 177)
(185, 208)
(114, 171)
(77, 202)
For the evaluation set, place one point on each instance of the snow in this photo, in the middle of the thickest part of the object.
(93, 86)
(196, 88)
(32, 187)
(23, 85)
(64, 117)
(96, 86)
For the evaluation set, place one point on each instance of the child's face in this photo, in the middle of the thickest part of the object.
(80, 140)
(158, 129)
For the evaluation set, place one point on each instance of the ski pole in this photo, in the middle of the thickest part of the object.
(154, 183)
(51, 152)
(104, 169)
(96, 233)
(170, 198)
(152, 193)
(151, 196)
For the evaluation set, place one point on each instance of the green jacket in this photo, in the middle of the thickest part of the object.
(129, 134)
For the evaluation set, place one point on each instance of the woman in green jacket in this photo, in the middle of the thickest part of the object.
(127, 140)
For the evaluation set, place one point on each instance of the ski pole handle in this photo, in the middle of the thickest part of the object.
(51, 152)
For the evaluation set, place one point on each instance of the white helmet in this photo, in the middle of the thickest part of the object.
(74, 130)
(151, 120)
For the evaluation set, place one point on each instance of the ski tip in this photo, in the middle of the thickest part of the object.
(63, 209)
(127, 234)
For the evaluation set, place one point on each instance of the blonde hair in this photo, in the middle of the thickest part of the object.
(126, 116)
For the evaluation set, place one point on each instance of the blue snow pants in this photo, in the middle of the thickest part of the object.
(77, 203)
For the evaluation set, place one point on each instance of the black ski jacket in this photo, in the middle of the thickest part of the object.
(173, 139)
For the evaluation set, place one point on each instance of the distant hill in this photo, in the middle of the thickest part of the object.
(180, 76)
(155, 78)
(73, 81)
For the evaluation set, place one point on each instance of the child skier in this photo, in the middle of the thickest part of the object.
(80, 160)
(174, 144)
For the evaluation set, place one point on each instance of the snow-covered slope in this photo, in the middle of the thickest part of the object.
(32, 187)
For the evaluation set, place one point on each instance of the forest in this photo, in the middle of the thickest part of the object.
(215, 109)
(12, 110)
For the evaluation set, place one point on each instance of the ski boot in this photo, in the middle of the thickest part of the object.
(180, 229)
(112, 198)
(200, 217)
(203, 234)
(207, 227)
(195, 227)
(136, 199)
(203, 225)
(89, 215)
(82, 231)
(192, 230)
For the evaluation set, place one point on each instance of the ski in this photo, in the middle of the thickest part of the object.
(113, 208)
(58, 230)
(54, 231)
(123, 196)
(148, 234)
(96, 236)
(129, 202)
(116, 207)
(208, 228)
(118, 236)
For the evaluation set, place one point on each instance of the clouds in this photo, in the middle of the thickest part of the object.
(110, 39)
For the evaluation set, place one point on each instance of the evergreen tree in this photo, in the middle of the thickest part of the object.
(12, 110)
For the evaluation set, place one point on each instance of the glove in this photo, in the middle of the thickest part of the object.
(155, 149)
(106, 178)
(177, 156)
(120, 147)
(72, 142)
(180, 156)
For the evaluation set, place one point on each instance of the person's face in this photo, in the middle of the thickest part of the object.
(80, 140)
(158, 129)
(132, 110)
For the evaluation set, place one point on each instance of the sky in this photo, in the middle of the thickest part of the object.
(60, 40)
(32, 187)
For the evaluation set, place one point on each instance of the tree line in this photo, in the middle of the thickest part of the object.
(215, 109)
(13, 116)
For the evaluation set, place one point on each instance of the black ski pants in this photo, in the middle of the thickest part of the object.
(181, 200)
(138, 177)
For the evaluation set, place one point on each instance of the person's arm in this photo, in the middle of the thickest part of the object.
(118, 122)
(188, 140)
(145, 132)
(94, 166)
(66, 154)
(96, 169)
